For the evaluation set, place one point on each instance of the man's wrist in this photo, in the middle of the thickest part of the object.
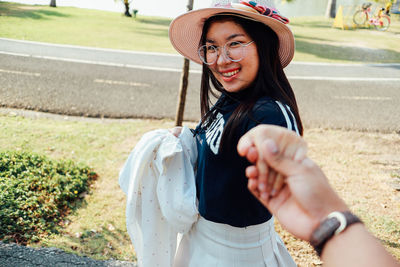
(335, 223)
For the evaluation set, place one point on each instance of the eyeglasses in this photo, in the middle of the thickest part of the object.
(234, 51)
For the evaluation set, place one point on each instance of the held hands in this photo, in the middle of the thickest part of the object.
(305, 196)
(265, 181)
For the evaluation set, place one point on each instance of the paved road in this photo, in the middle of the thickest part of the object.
(20, 256)
(121, 84)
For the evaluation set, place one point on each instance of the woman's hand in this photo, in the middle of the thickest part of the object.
(176, 131)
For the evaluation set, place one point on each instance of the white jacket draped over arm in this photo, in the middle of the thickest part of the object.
(158, 179)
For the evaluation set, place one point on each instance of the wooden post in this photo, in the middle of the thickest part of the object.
(184, 84)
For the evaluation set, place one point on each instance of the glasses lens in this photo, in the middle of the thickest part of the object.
(234, 51)
(208, 54)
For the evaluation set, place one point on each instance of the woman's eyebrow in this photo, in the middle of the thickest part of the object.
(234, 35)
(230, 37)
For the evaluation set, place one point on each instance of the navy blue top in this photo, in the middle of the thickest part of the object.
(221, 183)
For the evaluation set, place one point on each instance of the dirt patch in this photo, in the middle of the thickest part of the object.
(364, 169)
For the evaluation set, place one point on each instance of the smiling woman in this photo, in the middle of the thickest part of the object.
(243, 47)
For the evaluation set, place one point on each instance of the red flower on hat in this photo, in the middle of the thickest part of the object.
(264, 10)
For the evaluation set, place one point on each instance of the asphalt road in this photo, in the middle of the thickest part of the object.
(121, 84)
(21, 256)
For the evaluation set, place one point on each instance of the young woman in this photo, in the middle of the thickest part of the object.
(243, 48)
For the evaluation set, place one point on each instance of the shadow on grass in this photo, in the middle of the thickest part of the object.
(153, 32)
(313, 24)
(156, 21)
(347, 53)
(28, 12)
(297, 36)
(100, 243)
(389, 243)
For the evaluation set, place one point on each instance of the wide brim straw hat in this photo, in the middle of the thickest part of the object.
(185, 31)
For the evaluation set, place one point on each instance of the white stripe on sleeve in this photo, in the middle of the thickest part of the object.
(294, 120)
(288, 122)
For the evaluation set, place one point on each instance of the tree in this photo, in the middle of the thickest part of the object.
(331, 9)
(53, 3)
(126, 3)
(180, 109)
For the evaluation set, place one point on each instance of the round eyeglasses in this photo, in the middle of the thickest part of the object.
(234, 51)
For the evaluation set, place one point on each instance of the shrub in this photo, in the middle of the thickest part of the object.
(36, 193)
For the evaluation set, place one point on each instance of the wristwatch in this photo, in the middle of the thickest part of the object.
(335, 223)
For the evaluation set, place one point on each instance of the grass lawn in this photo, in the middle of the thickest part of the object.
(97, 228)
(316, 40)
(361, 166)
(68, 25)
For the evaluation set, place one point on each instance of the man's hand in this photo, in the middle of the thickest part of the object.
(306, 197)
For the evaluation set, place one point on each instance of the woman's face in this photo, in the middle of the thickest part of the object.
(234, 76)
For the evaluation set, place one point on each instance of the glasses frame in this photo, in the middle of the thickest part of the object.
(218, 48)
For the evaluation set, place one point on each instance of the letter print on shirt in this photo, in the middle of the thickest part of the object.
(214, 133)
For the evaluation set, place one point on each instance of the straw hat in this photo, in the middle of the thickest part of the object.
(185, 30)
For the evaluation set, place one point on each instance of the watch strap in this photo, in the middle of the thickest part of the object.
(334, 224)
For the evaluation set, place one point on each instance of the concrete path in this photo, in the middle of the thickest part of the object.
(20, 256)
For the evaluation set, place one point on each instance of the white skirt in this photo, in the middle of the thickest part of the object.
(210, 244)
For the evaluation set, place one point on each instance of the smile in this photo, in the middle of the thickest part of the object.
(230, 73)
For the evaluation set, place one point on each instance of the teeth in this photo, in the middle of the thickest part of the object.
(229, 74)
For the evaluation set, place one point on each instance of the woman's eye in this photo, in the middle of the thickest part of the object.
(211, 48)
(235, 44)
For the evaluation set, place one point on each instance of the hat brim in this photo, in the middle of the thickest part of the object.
(185, 32)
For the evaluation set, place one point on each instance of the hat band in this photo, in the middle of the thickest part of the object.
(254, 7)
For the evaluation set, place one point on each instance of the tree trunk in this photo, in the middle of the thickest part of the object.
(331, 9)
(53, 3)
(184, 84)
(126, 3)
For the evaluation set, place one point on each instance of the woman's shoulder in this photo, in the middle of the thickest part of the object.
(267, 105)
(270, 111)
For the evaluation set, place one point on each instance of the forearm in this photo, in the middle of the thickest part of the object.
(356, 247)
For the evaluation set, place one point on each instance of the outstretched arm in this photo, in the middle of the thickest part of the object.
(307, 198)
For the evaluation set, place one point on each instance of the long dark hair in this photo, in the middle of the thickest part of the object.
(270, 81)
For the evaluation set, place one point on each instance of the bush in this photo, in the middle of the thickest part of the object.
(36, 193)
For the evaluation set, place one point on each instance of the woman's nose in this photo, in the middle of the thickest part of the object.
(223, 58)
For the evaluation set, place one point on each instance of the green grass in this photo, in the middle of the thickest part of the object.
(97, 229)
(385, 229)
(36, 193)
(67, 25)
(316, 40)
